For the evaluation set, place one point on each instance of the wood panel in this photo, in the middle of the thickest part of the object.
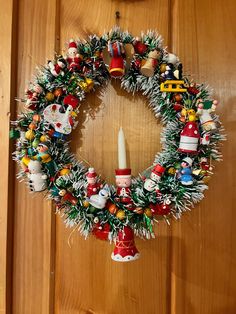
(6, 104)
(87, 281)
(190, 267)
(204, 249)
(33, 233)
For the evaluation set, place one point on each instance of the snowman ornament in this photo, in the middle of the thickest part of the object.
(151, 184)
(37, 178)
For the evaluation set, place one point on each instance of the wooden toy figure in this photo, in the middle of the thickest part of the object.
(150, 65)
(32, 99)
(73, 58)
(184, 175)
(151, 184)
(45, 157)
(37, 179)
(57, 68)
(123, 182)
(99, 200)
(93, 186)
(117, 64)
(204, 111)
(68, 197)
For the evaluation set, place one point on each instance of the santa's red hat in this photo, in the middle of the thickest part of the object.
(72, 44)
(125, 249)
(123, 173)
(91, 173)
(158, 170)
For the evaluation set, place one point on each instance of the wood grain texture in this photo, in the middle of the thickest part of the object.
(87, 280)
(204, 249)
(33, 251)
(6, 22)
(190, 267)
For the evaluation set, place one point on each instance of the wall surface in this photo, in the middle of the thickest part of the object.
(191, 266)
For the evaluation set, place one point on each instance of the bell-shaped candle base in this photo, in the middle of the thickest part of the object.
(125, 249)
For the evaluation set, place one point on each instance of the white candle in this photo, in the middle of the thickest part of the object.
(121, 150)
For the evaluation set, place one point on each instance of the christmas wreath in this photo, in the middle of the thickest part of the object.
(180, 172)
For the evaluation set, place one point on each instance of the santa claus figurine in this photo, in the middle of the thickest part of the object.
(123, 182)
(73, 58)
(93, 186)
(151, 184)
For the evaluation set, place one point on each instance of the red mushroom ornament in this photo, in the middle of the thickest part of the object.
(189, 138)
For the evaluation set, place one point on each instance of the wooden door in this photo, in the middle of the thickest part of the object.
(190, 266)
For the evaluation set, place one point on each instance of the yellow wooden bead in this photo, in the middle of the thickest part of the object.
(30, 135)
(25, 160)
(43, 138)
(82, 85)
(171, 170)
(148, 212)
(49, 96)
(86, 204)
(163, 68)
(89, 83)
(120, 214)
(64, 171)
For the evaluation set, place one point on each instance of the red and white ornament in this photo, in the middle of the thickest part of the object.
(161, 209)
(117, 64)
(189, 138)
(93, 186)
(71, 100)
(32, 99)
(125, 249)
(68, 197)
(123, 182)
(151, 184)
(73, 58)
(139, 47)
(205, 140)
(57, 68)
(205, 108)
(61, 122)
(101, 231)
